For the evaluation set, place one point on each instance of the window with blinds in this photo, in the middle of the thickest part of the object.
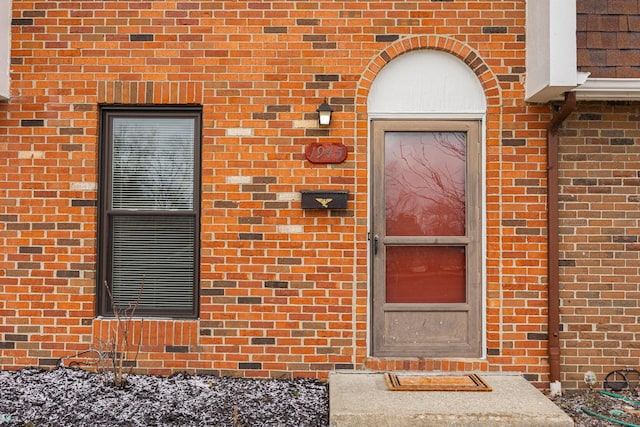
(149, 210)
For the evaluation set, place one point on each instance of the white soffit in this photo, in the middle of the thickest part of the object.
(5, 47)
(426, 82)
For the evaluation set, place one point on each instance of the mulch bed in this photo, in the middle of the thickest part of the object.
(70, 397)
(574, 402)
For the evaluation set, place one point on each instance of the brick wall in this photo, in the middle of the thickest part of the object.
(600, 247)
(283, 291)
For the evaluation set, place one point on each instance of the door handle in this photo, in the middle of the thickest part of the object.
(375, 244)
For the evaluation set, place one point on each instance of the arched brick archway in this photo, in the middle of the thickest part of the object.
(446, 44)
(492, 129)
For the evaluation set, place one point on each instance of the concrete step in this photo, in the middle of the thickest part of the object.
(361, 398)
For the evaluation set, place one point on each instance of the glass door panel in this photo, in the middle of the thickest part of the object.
(425, 183)
(425, 274)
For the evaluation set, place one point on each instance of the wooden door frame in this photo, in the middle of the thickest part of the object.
(472, 345)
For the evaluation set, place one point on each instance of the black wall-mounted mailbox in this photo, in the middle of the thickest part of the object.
(314, 199)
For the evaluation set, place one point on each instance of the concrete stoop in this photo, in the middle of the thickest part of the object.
(358, 398)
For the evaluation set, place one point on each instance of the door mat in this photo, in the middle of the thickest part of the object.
(413, 382)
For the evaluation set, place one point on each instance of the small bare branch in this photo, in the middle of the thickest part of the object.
(122, 333)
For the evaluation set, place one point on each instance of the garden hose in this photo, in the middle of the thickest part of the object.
(617, 396)
(610, 419)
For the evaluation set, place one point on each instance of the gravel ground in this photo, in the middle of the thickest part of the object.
(70, 397)
(573, 402)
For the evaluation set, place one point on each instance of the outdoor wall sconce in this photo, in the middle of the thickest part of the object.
(324, 113)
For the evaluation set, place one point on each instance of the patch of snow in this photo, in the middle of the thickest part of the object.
(71, 397)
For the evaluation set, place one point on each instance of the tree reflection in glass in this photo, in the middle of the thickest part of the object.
(425, 183)
(153, 163)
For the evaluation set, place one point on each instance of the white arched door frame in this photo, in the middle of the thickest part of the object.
(428, 85)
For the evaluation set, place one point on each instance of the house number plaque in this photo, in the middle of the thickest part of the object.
(326, 152)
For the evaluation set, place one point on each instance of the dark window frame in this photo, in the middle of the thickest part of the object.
(105, 166)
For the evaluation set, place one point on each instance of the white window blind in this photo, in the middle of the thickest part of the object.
(158, 250)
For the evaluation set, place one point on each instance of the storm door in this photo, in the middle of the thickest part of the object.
(425, 239)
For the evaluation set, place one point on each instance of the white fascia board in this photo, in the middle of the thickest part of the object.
(609, 90)
(551, 49)
(5, 47)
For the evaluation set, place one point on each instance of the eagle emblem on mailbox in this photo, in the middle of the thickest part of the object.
(324, 202)
(323, 199)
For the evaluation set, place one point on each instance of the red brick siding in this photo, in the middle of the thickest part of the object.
(294, 301)
(600, 246)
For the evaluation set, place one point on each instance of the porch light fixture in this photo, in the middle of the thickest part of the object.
(324, 113)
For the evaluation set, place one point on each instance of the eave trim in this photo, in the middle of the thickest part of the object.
(598, 89)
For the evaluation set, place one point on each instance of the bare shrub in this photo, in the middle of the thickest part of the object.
(120, 342)
(113, 355)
